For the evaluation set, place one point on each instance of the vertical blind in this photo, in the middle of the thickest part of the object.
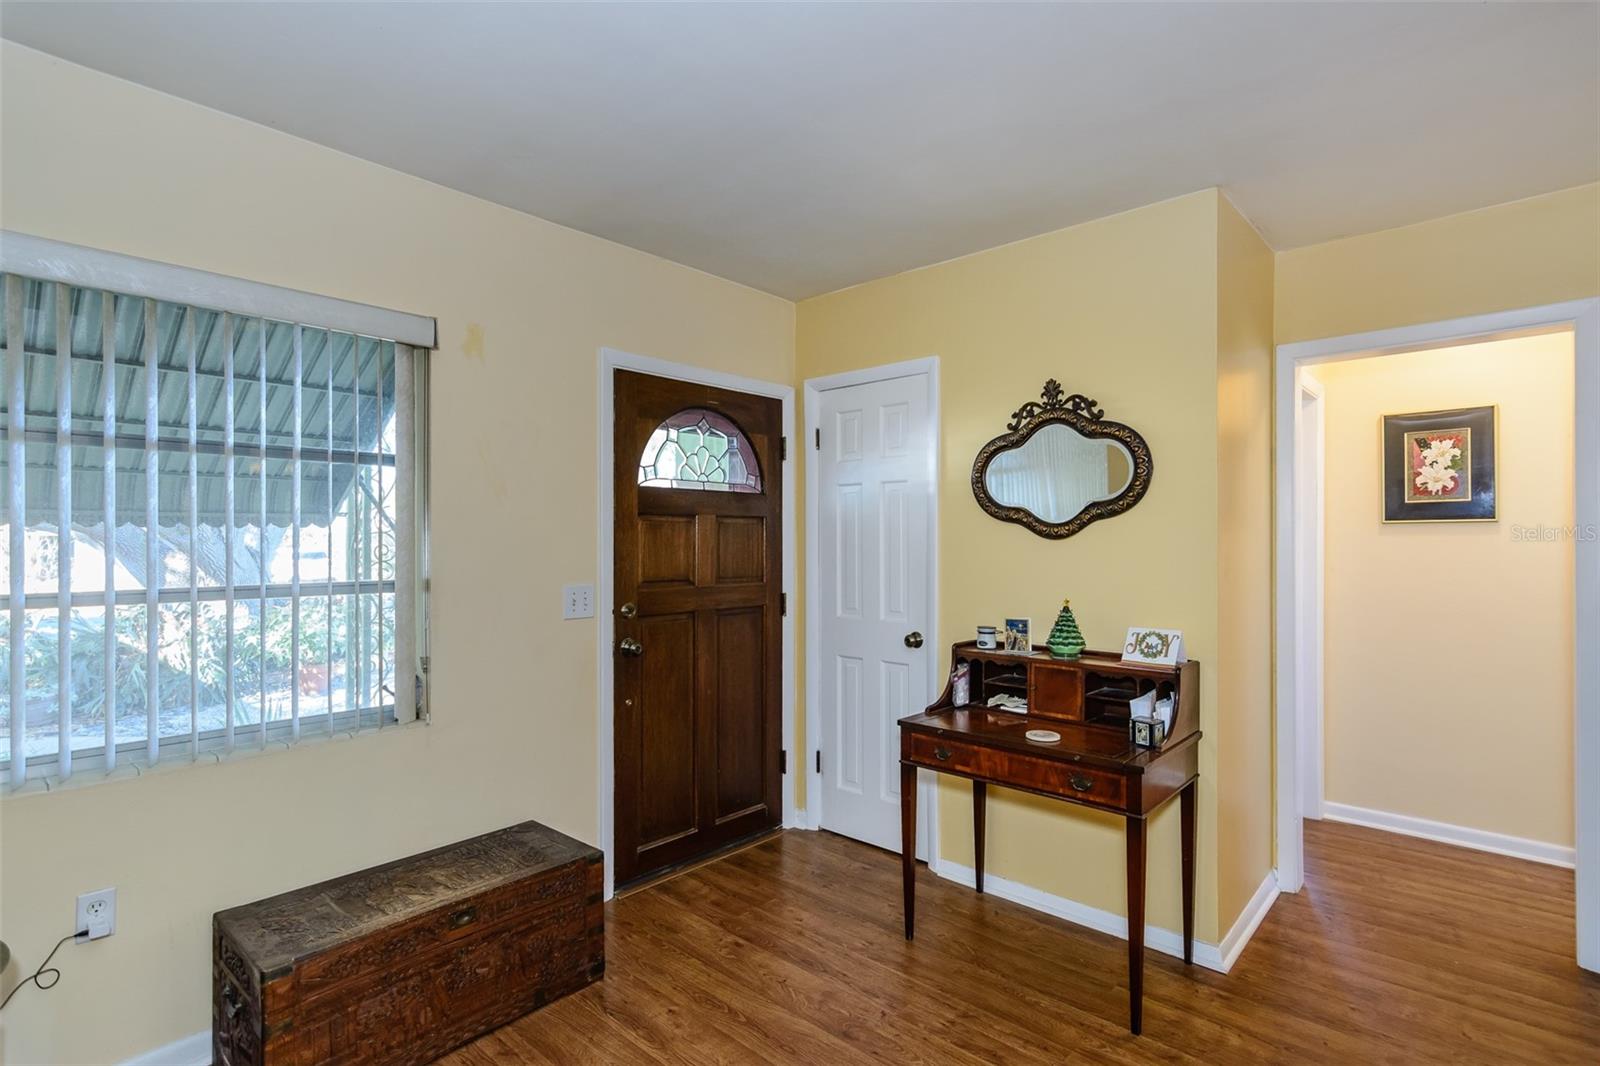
(210, 530)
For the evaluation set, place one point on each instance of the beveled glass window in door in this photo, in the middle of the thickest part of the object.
(699, 449)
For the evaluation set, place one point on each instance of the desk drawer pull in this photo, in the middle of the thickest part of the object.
(1080, 783)
(941, 754)
(463, 917)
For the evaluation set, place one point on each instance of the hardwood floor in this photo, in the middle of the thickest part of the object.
(1397, 951)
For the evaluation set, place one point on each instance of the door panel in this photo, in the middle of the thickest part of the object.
(666, 728)
(894, 554)
(848, 713)
(847, 551)
(740, 543)
(698, 713)
(740, 684)
(875, 482)
(666, 550)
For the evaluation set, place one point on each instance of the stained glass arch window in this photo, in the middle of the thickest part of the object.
(699, 449)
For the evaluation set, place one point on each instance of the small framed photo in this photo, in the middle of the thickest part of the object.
(1019, 636)
(1439, 466)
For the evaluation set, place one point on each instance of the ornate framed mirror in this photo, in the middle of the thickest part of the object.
(1060, 466)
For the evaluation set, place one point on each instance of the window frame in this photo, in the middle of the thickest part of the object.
(47, 261)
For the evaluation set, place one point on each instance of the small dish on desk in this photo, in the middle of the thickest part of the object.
(1043, 736)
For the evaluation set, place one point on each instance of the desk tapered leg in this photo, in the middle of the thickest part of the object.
(1186, 813)
(1135, 834)
(908, 842)
(980, 796)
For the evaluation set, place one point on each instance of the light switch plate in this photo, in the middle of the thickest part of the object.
(577, 601)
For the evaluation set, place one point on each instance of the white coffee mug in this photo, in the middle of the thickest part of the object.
(986, 637)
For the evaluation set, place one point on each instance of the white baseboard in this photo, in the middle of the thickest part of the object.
(800, 820)
(192, 1050)
(1445, 833)
(1212, 956)
(1249, 920)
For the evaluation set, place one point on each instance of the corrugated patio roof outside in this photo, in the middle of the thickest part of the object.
(321, 351)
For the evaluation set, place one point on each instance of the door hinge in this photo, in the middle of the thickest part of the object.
(783, 604)
(783, 761)
(819, 438)
(819, 760)
(783, 449)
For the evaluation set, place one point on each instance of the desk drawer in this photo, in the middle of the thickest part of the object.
(1088, 785)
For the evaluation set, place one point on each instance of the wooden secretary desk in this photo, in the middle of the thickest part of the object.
(1094, 764)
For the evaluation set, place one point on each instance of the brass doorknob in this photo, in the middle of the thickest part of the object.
(629, 646)
(913, 640)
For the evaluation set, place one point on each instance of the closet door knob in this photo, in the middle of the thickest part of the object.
(913, 639)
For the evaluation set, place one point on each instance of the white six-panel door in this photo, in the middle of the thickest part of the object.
(874, 487)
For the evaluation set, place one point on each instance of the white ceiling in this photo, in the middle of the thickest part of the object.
(802, 148)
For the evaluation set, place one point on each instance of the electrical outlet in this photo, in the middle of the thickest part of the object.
(97, 912)
(577, 601)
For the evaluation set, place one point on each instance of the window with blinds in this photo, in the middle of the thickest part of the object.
(208, 530)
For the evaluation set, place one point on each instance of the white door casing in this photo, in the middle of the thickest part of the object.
(1291, 714)
(1309, 454)
(873, 501)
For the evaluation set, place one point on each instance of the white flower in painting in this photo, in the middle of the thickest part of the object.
(1435, 479)
(1441, 452)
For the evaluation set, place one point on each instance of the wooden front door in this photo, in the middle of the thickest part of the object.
(698, 726)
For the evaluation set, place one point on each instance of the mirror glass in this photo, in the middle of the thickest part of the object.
(1058, 472)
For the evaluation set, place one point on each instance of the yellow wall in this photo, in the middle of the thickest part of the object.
(112, 165)
(1125, 310)
(1244, 561)
(1536, 251)
(1457, 639)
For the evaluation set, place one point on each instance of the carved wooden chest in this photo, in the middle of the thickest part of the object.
(402, 962)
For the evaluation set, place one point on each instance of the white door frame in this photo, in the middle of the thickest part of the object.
(1312, 453)
(927, 796)
(612, 360)
(1583, 318)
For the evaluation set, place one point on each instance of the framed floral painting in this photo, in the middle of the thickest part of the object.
(1439, 466)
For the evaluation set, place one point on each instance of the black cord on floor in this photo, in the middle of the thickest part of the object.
(44, 970)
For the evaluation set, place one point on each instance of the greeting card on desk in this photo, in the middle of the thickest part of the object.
(1159, 647)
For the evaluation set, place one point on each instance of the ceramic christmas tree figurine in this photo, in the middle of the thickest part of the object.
(1066, 641)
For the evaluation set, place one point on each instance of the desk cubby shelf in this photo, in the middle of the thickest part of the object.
(1094, 689)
